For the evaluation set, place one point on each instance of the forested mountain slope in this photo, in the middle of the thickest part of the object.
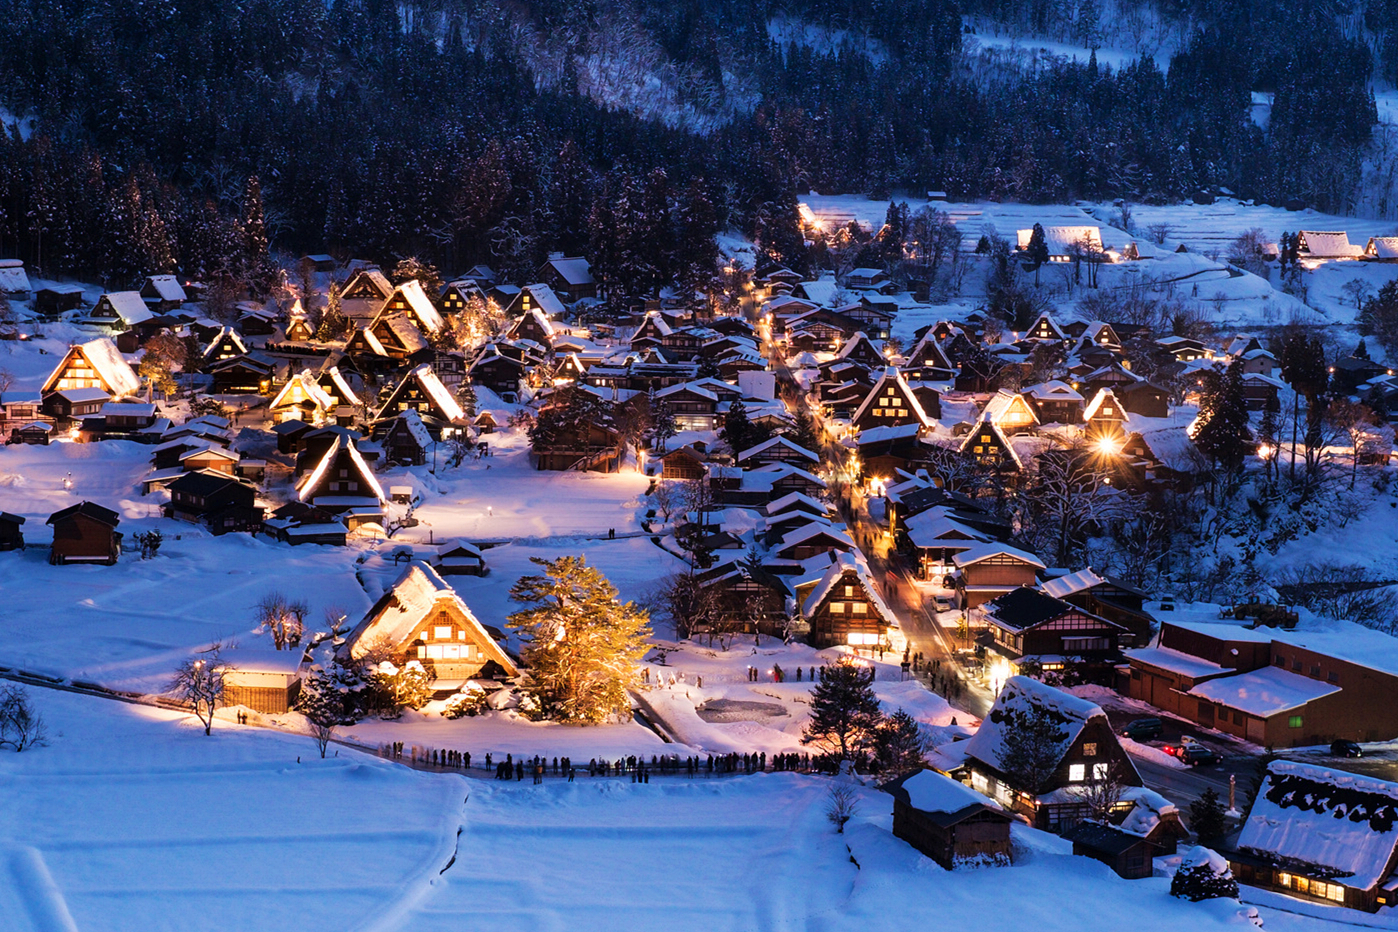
(478, 129)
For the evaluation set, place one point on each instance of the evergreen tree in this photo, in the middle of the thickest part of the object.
(1207, 817)
(1031, 746)
(845, 712)
(579, 642)
(256, 262)
(1037, 251)
(899, 746)
(662, 419)
(739, 432)
(414, 269)
(803, 433)
(466, 396)
(1224, 435)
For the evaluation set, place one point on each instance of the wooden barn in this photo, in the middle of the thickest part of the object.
(85, 533)
(267, 681)
(459, 558)
(11, 531)
(949, 822)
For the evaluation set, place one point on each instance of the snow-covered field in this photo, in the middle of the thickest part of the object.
(133, 820)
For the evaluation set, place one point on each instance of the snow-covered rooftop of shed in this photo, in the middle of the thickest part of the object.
(1166, 658)
(1265, 692)
(931, 791)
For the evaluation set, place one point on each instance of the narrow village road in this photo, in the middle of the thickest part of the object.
(924, 633)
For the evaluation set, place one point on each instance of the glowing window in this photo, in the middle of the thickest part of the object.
(1077, 773)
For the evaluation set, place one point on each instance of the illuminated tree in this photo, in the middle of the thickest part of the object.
(580, 643)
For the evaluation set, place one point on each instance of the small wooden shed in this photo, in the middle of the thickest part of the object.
(85, 533)
(950, 822)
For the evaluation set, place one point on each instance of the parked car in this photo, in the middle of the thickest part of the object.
(1143, 729)
(1196, 754)
(1343, 748)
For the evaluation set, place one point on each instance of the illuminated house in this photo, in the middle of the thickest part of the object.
(844, 607)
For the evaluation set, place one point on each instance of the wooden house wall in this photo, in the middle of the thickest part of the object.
(79, 537)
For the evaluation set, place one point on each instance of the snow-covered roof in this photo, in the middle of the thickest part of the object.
(1174, 448)
(1002, 403)
(376, 278)
(972, 437)
(80, 395)
(778, 442)
(986, 551)
(1053, 390)
(1061, 240)
(418, 592)
(409, 335)
(256, 660)
(816, 528)
(852, 344)
(341, 385)
(373, 342)
(931, 791)
(692, 388)
(1338, 824)
(1019, 698)
(228, 333)
(574, 271)
(128, 409)
(111, 367)
(306, 381)
(1174, 661)
(13, 280)
(791, 500)
(821, 292)
(890, 374)
(313, 479)
(1064, 586)
(1383, 247)
(168, 287)
(1103, 397)
(129, 307)
(1147, 809)
(852, 561)
(934, 527)
(433, 388)
(420, 306)
(1321, 244)
(1265, 692)
(546, 301)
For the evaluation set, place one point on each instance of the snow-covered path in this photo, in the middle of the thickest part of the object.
(712, 855)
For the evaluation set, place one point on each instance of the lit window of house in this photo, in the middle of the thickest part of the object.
(1077, 773)
(1089, 749)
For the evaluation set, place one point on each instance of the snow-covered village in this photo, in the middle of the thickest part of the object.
(737, 466)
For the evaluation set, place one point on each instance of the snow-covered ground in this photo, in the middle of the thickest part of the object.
(133, 820)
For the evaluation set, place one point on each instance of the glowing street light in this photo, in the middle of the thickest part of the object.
(1108, 446)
